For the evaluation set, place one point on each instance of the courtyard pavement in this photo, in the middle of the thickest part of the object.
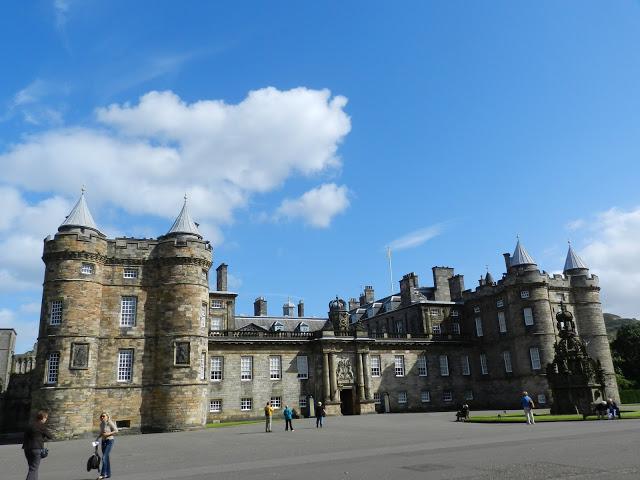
(396, 446)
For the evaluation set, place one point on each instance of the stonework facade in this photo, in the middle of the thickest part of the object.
(130, 326)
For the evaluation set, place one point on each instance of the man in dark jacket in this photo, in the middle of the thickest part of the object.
(33, 443)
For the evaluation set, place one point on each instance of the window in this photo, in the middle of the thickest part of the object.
(274, 367)
(376, 398)
(524, 294)
(87, 269)
(130, 272)
(205, 274)
(375, 365)
(436, 329)
(534, 353)
(399, 326)
(302, 401)
(55, 312)
(216, 323)
(560, 297)
(447, 396)
(542, 399)
(466, 368)
(425, 396)
(468, 394)
(500, 303)
(502, 322)
(215, 406)
(402, 398)
(125, 365)
(303, 367)
(483, 364)
(246, 368)
(399, 365)
(128, 311)
(245, 403)
(203, 365)
(303, 327)
(455, 313)
(216, 368)
(434, 311)
(506, 357)
(422, 365)
(278, 327)
(53, 365)
(528, 316)
(203, 315)
(216, 303)
(476, 309)
(479, 332)
(182, 353)
(456, 328)
(444, 366)
(276, 402)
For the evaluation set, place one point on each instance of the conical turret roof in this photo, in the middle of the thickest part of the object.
(573, 261)
(488, 279)
(520, 256)
(184, 223)
(80, 216)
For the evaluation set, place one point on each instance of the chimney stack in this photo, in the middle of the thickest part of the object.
(353, 303)
(369, 296)
(260, 307)
(221, 277)
(287, 309)
(301, 308)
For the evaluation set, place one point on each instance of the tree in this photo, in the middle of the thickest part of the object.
(626, 352)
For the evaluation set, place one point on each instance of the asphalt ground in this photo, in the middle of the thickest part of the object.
(393, 446)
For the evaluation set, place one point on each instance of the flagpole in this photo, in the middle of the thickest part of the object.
(390, 270)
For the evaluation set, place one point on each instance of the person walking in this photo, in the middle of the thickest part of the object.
(107, 430)
(268, 417)
(288, 415)
(528, 406)
(320, 414)
(33, 442)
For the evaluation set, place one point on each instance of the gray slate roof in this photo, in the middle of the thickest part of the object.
(80, 216)
(573, 261)
(184, 223)
(290, 324)
(521, 257)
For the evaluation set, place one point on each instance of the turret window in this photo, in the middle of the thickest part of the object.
(130, 272)
(55, 312)
(534, 354)
(203, 366)
(203, 315)
(182, 353)
(125, 365)
(87, 269)
(128, 307)
(528, 316)
(53, 366)
(524, 294)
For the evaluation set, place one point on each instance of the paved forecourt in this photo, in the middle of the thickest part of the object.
(407, 446)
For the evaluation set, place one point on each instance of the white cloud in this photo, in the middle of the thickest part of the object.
(61, 10)
(576, 224)
(613, 252)
(417, 237)
(318, 206)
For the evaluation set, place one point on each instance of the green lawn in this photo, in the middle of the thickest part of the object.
(520, 418)
(232, 424)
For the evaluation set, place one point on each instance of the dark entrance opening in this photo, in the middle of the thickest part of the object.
(346, 401)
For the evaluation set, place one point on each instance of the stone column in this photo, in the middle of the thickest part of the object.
(367, 375)
(334, 379)
(360, 377)
(325, 377)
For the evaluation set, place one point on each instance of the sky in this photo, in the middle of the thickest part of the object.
(309, 136)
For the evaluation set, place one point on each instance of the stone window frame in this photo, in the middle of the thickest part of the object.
(130, 273)
(535, 359)
(128, 311)
(217, 304)
(215, 405)
(398, 365)
(218, 372)
(124, 368)
(203, 366)
(403, 398)
(72, 356)
(466, 365)
(276, 402)
(176, 348)
(52, 371)
(246, 404)
(502, 322)
(376, 365)
(443, 361)
(423, 370)
(246, 374)
(275, 367)
(425, 396)
(302, 367)
(56, 311)
(204, 310)
(484, 366)
(529, 320)
(478, 324)
(506, 359)
(87, 268)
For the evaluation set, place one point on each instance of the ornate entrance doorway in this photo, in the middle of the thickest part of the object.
(346, 401)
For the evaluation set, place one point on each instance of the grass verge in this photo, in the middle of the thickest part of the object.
(517, 418)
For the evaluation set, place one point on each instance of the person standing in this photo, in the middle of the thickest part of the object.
(320, 414)
(33, 442)
(107, 430)
(288, 415)
(528, 406)
(268, 417)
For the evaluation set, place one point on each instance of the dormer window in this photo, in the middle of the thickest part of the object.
(303, 327)
(277, 327)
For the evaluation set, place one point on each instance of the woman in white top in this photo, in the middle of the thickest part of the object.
(107, 430)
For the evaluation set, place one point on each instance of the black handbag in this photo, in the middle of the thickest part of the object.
(44, 452)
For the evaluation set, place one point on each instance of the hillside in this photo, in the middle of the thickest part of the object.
(614, 322)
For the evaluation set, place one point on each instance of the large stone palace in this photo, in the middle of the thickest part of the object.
(130, 325)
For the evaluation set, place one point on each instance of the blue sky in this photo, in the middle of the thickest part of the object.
(443, 128)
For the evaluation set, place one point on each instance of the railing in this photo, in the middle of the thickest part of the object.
(258, 334)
